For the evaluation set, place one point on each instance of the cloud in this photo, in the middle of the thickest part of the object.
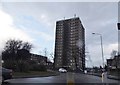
(109, 48)
(96, 55)
(9, 31)
(44, 18)
(43, 35)
(38, 34)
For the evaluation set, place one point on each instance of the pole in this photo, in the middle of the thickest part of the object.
(101, 47)
(118, 24)
(102, 50)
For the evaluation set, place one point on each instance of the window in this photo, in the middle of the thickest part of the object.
(71, 60)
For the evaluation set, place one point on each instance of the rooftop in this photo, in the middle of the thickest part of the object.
(69, 19)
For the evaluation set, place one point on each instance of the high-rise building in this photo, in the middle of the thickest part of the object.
(70, 44)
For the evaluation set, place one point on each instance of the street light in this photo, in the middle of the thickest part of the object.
(101, 46)
(118, 24)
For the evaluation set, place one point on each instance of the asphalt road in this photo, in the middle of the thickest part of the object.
(62, 78)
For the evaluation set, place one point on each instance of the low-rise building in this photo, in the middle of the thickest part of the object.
(49, 65)
(113, 65)
(41, 60)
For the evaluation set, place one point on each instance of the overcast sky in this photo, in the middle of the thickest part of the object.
(35, 22)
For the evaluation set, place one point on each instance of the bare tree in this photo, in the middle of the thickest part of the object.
(13, 47)
(15, 54)
(45, 52)
(52, 56)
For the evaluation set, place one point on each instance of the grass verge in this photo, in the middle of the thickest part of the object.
(34, 74)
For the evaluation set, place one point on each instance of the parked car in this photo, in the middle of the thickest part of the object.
(62, 70)
(6, 73)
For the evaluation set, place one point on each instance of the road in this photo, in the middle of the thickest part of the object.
(62, 78)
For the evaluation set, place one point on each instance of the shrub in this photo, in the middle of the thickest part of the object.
(36, 67)
(23, 66)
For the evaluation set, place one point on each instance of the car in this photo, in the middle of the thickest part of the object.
(6, 73)
(62, 70)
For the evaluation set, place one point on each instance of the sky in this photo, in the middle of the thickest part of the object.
(35, 22)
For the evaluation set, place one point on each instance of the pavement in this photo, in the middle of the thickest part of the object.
(114, 77)
(63, 78)
(108, 76)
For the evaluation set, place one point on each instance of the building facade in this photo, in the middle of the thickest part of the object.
(70, 44)
(113, 65)
(39, 59)
(49, 65)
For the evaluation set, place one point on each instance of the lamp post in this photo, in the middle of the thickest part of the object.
(118, 65)
(118, 24)
(101, 46)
